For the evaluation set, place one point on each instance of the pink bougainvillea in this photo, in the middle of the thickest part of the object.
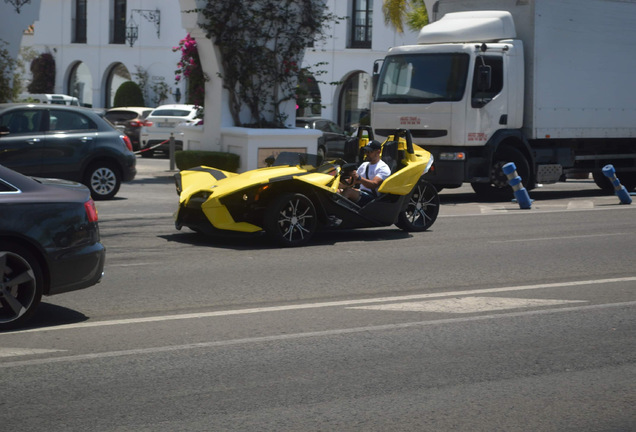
(189, 68)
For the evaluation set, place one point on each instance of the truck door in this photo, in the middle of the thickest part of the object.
(487, 111)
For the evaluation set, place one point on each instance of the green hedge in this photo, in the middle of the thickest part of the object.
(193, 158)
(129, 94)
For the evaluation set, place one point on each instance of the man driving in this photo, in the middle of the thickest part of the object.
(369, 175)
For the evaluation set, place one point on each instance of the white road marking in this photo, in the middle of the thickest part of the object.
(466, 305)
(578, 205)
(16, 352)
(492, 210)
(298, 336)
(525, 240)
(295, 307)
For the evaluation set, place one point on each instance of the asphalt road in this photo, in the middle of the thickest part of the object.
(495, 319)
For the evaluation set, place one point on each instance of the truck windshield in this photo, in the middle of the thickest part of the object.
(423, 78)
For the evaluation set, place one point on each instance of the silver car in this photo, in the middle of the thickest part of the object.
(163, 120)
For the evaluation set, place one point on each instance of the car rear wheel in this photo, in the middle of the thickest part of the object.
(20, 285)
(422, 209)
(290, 220)
(103, 180)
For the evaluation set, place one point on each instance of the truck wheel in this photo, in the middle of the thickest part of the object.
(422, 209)
(603, 182)
(103, 180)
(20, 285)
(627, 179)
(498, 189)
(290, 220)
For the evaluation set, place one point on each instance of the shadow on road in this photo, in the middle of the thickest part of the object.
(50, 315)
(262, 242)
(568, 190)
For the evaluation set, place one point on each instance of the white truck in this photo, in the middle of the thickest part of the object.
(549, 85)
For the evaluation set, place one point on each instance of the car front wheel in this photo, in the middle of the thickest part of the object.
(422, 209)
(103, 180)
(291, 220)
(20, 285)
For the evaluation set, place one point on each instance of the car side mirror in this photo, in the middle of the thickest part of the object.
(4, 131)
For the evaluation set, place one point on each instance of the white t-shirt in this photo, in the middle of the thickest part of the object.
(380, 169)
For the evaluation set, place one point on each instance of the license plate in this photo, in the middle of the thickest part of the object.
(166, 124)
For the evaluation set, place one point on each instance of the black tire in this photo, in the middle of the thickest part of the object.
(147, 153)
(290, 220)
(422, 209)
(603, 182)
(103, 180)
(628, 180)
(20, 285)
(498, 188)
(322, 152)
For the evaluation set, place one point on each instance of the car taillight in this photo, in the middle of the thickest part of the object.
(127, 142)
(135, 123)
(91, 210)
(148, 123)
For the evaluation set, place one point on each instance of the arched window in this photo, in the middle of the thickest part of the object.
(308, 102)
(117, 75)
(354, 102)
(80, 84)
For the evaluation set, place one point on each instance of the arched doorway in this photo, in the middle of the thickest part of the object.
(354, 102)
(117, 75)
(80, 84)
(308, 102)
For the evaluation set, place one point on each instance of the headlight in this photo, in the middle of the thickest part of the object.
(449, 156)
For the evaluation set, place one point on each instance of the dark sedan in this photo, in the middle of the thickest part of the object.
(49, 243)
(66, 142)
(131, 119)
(332, 142)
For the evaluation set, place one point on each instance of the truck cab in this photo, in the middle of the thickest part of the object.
(457, 89)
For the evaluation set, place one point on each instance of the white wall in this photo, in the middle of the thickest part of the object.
(53, 33)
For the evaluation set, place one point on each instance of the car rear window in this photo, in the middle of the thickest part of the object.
(117, 116)
(170, 113)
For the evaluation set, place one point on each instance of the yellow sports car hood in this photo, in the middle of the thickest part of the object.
(220, 183)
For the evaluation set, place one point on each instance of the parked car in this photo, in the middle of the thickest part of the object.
(162, 121)
(332, 142)
(49, 242)
(66, 142)
(298, 195)
(131, 119)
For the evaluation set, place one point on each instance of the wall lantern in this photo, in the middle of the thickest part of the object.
(132, 30)
(17, 4)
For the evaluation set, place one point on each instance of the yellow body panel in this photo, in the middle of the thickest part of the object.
(403, 181)
(193, 182)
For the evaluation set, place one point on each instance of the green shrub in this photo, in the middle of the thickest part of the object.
(193, 158)
(129, 94)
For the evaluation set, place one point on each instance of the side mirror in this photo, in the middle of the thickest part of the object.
(4, 131)
(484, 77)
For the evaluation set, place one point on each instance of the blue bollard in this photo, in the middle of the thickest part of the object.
(619, 189)
(521, 194)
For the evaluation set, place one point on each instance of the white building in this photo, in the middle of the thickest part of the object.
(93, 51)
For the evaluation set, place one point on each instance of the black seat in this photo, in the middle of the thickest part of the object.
(390, 155)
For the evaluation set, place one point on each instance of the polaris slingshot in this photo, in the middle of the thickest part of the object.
(298, 195)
